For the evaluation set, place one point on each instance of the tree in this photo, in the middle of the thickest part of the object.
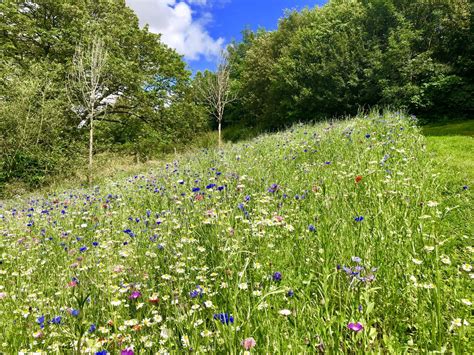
(86, 81)
(214, 89)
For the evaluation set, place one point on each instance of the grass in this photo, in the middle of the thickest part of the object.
(339, 237)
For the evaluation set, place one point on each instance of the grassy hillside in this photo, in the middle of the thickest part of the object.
(339, 237)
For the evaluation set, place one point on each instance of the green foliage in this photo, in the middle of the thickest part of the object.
(145, 104)
(347, 55)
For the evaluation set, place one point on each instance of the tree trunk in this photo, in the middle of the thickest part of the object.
(91, 145)
(219, 130)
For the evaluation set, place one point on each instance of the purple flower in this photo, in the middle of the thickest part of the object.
(134, 295)
(277, 276)
(356, 259)
(92, 328)
(356, 327)
(127, 352)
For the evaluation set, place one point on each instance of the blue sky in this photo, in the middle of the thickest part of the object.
(198, 29)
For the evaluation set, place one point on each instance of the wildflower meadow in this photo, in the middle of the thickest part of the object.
(339, 237)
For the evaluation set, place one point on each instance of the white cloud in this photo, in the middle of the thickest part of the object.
(180, 30)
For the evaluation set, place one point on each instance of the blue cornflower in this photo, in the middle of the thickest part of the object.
(290, 293)
(92, 328)
(83, 249)
(277, 276)
(356, 259)
(95, 243)
(359, 219)
(224, 318)
(196, 189)
(465, 187)
(74, 312)
(210, 186)
(273, 188)
(102, 352)
(40, 321)
(220, 188)
(367, 136)
(195, 293)
(247, 198)
(311, 228)
(56, 320)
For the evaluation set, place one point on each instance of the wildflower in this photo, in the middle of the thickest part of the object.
(311, 228)
(127, 352)
(56, 320)
(445, 260)
(290, 293)
(224, 318)
(208, 304)
(359, 219)
(273, 188)
(356, 327)
(134, 295)
(243, 286)
(457, 323)
(416, 261)
(196, 189)
(356, 259)
(358, 178)
(153, 298)
(92, 328)
(40, 321)
(466, 267)
(38, 335)
(367, 136)
(102, 352)
(83, 249)
(466, 302)
(277, 276)
(248, 343)
(285, 312)
(74, 312)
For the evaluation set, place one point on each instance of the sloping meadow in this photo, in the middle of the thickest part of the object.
(337, 237)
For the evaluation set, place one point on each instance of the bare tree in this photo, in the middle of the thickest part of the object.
(215, 91)
(86, 82)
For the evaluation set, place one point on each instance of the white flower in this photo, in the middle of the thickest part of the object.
(116, 303)
(166, 277)
(432, 203)
(243, 286)
(416, 261)
(208, 304)
(285, 312)
(466, 302)
(466, 267)
(445, 260)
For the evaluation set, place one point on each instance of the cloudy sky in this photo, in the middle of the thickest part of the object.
(198, 29)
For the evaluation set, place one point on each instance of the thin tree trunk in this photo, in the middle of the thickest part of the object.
(91, 145)
(219, 130)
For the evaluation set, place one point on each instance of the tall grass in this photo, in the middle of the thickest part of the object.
(337, 237)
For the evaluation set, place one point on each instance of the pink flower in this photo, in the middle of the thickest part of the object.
(127, 352)
(356, 327)
(135, 295)
(248, 343)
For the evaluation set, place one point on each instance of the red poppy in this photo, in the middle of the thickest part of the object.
(358, 178)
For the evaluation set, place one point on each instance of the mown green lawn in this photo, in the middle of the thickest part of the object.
(452, 145)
